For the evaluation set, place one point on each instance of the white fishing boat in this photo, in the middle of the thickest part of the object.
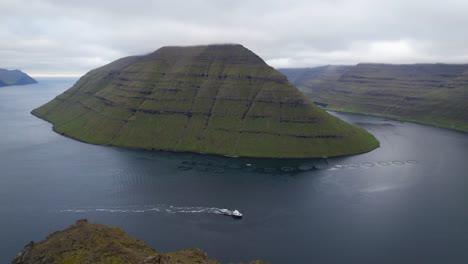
(233, 213)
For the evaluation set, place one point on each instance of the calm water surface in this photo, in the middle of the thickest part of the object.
(406, 202)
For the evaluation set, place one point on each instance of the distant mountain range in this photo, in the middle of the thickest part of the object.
(434, 94)
(14, 77)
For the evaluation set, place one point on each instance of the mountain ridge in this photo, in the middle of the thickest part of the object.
(432, 94)
(14, 77)
(215, 99)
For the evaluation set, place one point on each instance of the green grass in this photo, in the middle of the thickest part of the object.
(432, 94)
(86, 242)
(218, 99)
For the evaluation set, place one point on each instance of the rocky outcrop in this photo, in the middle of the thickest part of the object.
(86, 242)
(434, 94)
(216, 99)
(14, 77)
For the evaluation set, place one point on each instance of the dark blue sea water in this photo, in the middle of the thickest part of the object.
(405, 202)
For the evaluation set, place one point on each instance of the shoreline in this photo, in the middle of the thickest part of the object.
(396, 118)
(199, 153)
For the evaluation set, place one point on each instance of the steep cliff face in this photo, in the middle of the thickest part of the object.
(85, 242)
(217, 99)
(14, 77)
(434, 94)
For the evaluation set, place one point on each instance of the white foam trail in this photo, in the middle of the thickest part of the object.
(149, 209)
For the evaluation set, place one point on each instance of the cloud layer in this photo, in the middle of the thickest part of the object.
(54, 37)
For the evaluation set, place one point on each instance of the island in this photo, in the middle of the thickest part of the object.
(14, 77)
(213, 99)
(86, 242)
(432, 94)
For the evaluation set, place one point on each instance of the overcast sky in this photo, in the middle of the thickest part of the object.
(59, 37)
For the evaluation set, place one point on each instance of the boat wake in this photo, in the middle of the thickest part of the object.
(154, 209)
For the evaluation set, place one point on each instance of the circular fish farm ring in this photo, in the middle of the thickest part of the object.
(412, 161)
(287, 169)
(397, 162)
(353, 165)
(305, 167)
(383, 163)
(368, 164)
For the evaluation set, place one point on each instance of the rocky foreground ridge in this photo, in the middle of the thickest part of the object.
(215, 99)
(14, 77)
(434, 94)
(86, 242)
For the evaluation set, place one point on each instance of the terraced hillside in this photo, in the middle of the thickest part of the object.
(14, 77)
(434, 94)
(217, 99)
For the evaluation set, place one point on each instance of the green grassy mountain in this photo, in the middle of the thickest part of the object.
(433, 94)
(86, 242)
(14, 77)
(216, 99)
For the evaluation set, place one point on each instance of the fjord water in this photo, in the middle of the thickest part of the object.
(404, 202)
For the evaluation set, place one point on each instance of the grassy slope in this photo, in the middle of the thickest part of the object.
(433, 94)
(218, 99)
(94, 243)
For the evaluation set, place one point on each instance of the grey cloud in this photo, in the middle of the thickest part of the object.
(72, 37)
